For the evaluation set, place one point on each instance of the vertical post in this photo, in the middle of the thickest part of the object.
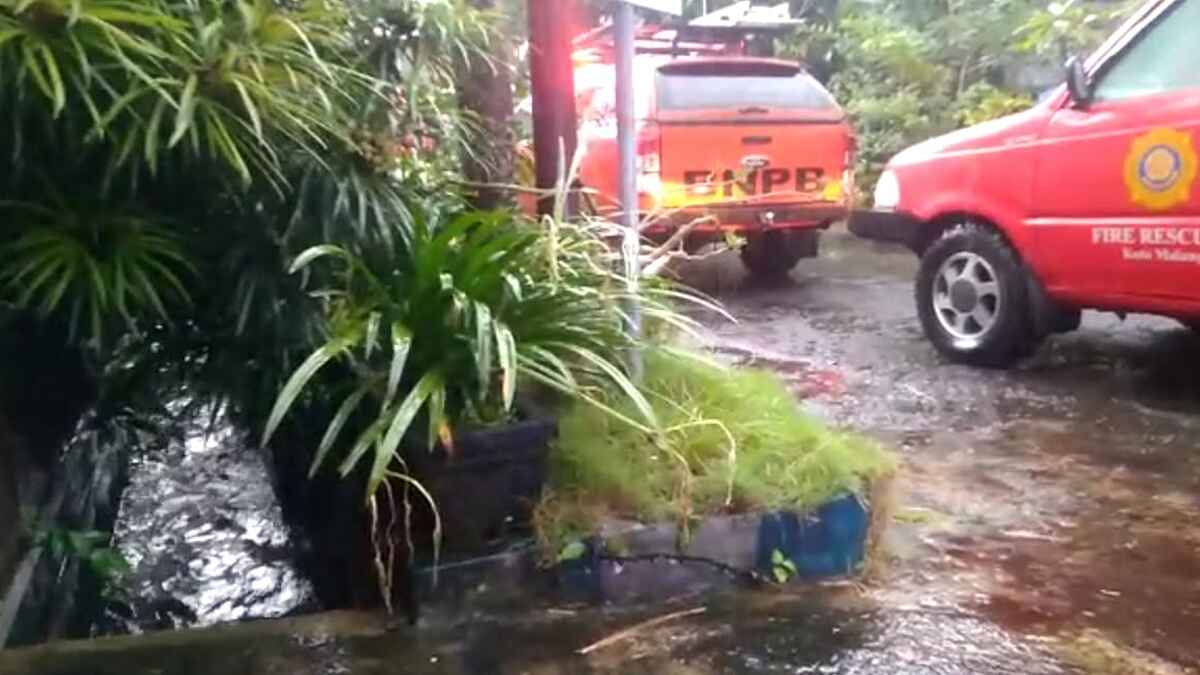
(552, 84)
(486, 90)
(627, 147)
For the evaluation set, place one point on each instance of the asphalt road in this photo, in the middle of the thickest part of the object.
(1058, 501)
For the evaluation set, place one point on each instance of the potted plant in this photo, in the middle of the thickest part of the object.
(440, 333)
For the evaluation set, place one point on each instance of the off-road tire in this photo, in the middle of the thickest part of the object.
(770, 256)
(1010, 336)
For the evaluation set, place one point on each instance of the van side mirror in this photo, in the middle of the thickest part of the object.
(1078, 83)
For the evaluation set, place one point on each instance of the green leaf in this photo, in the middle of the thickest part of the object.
(365, 440)
(782, 567)
(402, 339)
(483, 346)
(618, 378)
(534, 371)
(372, 340)
(385, 451)
(56, 80)
(153, 135)
(186, 114)
(335, 428)
(35, 67)
(506, 349)
(299, 380)
(437, 415)
(310, 254)
(572, 551)
(75, 11)
(251, 109)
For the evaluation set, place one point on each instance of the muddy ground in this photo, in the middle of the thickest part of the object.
(1044, 520)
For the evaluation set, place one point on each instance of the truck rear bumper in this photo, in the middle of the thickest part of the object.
(746, 219)
(890, 226)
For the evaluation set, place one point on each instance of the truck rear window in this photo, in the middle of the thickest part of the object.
(714, 91)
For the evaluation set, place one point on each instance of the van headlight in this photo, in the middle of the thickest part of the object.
(887, 191)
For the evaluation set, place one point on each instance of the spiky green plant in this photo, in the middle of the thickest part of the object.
(165, 158)
(454, 324)
(231, 82)
(89, 267)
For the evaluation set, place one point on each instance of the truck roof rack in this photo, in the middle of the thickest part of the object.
(724, 32)
(749, 16)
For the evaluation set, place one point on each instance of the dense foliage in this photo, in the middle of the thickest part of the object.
(179, 165)
(169, 156)
(452, 321)
(908, 70)
(261, 202)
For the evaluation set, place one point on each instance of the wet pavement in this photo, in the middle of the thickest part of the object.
(1044, 520)
(1057, 501)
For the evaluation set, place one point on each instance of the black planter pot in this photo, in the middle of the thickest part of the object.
(487, 485)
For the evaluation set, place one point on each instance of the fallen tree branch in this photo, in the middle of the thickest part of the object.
(676, 239)
(633, 630)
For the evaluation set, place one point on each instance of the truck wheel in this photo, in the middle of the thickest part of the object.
(771, 255)
(972, 298)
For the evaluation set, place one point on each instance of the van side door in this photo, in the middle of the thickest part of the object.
(1116, 205)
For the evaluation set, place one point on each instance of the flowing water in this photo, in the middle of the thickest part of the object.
(204, 534)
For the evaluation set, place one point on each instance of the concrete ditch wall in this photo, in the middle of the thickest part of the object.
(10, 508)
(44, 391)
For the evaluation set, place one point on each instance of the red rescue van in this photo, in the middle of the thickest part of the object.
(1087, 201)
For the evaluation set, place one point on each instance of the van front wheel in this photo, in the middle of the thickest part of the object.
(771, 255)
(972, 298)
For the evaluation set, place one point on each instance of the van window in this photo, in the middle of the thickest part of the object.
(709, 91)
(1164, 58)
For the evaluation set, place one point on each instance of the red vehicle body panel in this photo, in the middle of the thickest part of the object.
(1102, 201)
(805, 182)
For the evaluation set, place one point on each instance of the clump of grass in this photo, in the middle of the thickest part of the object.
(733, 440)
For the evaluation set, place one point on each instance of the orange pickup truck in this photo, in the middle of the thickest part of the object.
(757, 144)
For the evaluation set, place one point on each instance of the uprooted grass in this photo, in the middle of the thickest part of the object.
(733, 441)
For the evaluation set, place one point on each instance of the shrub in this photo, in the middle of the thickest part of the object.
(731, 441)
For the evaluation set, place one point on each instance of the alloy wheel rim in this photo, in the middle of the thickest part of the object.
(966, 296)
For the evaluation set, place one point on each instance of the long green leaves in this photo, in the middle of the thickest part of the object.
(473, 314)
(402, 419)
(299, 380)
(234, 79)
(91, 268)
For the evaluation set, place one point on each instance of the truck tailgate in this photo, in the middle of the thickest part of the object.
(751, 162)
(748, 133)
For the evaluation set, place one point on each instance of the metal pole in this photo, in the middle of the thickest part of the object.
(552, 84)
(627, 146)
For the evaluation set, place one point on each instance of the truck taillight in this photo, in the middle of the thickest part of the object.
(649, 150)
(849, 189)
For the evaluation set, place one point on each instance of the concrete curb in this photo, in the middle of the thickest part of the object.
(633, 562)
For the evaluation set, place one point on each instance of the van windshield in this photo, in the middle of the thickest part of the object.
(705, 91)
